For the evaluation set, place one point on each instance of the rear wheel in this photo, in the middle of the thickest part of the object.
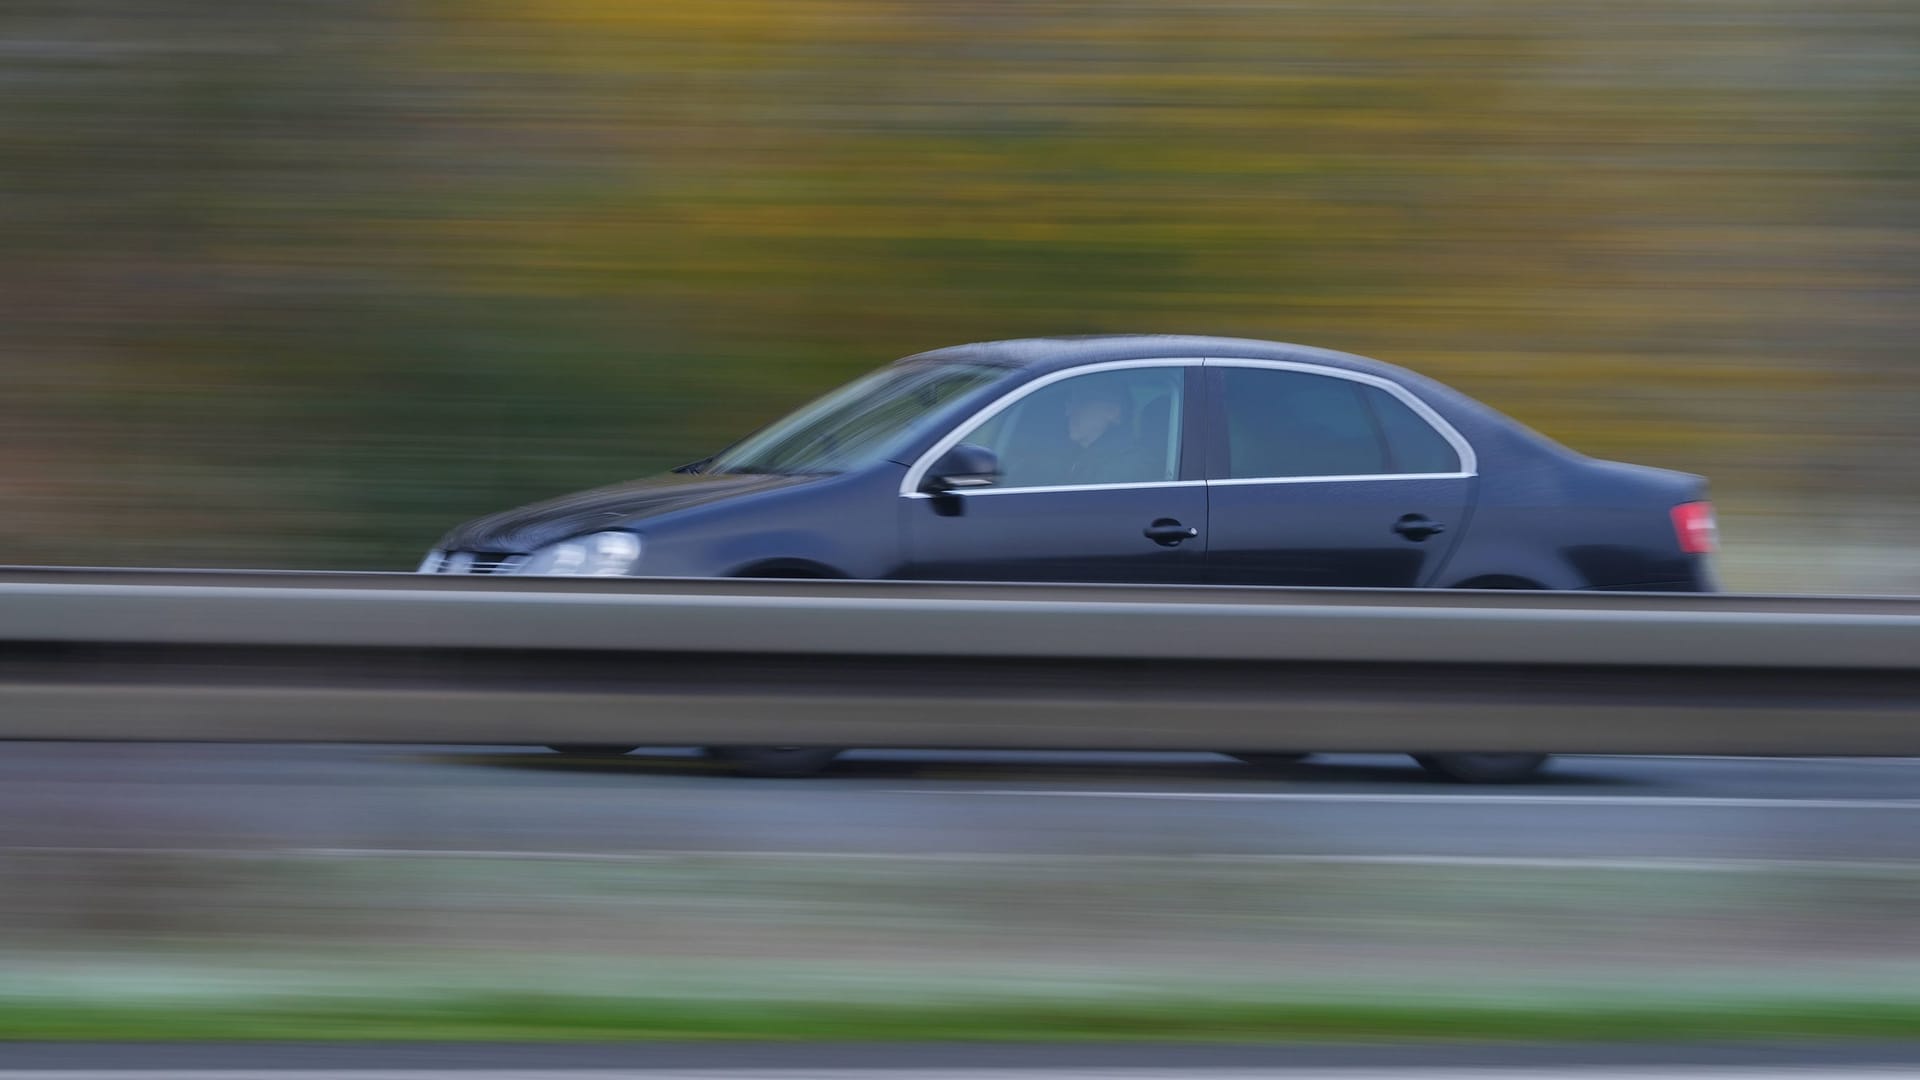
(591, 749)
(786, 761)
(1486, 768)
(1482, 768)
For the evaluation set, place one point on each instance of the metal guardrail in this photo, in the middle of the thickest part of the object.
(259, 656)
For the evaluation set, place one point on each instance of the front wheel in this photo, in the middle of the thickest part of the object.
(786, 761)
(1482, 768)
(1269, 760)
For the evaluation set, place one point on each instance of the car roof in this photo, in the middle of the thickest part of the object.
(1055, 353)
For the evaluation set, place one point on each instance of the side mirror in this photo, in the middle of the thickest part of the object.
(964, 466)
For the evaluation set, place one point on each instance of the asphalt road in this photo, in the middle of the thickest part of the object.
(528, 802)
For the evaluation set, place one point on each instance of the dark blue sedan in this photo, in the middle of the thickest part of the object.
(1131, 459)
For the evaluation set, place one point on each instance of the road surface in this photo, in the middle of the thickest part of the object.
(525, 802)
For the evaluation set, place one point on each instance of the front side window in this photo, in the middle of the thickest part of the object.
(860, 424)
(1104, 427)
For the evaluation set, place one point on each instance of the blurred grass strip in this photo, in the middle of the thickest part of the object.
(1646, 1018)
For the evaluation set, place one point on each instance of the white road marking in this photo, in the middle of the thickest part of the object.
(1273, 1073)
(1437, 799)
(1519, 862)
(1777, 759)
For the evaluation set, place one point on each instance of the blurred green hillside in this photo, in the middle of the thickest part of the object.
(302, 283)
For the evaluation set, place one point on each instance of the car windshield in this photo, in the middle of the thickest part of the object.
(862, 423)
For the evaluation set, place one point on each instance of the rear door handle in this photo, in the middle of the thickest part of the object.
(1418, 527)
(1169, 533)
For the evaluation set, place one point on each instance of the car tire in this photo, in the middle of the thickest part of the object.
(780, 761)
(1269, 760)
(591, 749)
(1482, 768)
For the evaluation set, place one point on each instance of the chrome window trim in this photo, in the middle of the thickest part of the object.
(1079, 487)
(1469, 461)
(1241, 480)
(910, 484)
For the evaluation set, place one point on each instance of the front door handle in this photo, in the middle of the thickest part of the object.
(1417, 527)
(1169, 533)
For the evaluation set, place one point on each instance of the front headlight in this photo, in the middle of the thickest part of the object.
(606, 554)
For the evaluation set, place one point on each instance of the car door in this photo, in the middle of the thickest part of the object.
(1321, 476)
(1123, 503)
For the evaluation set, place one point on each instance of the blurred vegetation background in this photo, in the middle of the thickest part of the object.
(303, 283)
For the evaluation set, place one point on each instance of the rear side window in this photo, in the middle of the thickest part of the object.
(1293, 423)
(1413, 446)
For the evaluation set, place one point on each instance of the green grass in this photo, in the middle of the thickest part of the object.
(559, 1018)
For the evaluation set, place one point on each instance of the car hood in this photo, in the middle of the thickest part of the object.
(538, 524)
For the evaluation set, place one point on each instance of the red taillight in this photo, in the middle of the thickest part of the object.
(1693, 524)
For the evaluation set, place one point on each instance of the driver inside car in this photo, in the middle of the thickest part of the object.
(1100, 434)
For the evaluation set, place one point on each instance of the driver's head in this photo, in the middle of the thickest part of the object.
(1093, 409)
